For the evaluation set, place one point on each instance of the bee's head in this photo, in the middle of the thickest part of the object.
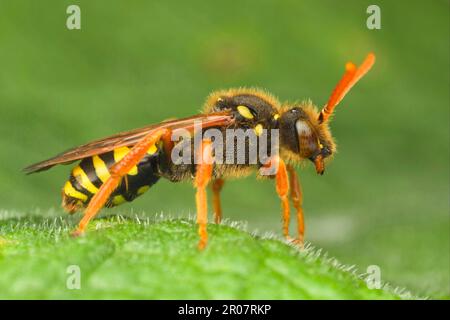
(304, 131)
(304, 137)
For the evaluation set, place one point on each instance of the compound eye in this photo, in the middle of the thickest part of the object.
(245, 112)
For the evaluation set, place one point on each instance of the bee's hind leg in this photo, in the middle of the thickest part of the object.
(217, 185)
(117, 171)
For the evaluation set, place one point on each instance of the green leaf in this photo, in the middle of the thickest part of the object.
(144, 259)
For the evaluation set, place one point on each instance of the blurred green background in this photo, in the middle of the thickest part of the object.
(383, 201)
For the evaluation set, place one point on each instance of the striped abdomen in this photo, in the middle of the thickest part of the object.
(86, 179)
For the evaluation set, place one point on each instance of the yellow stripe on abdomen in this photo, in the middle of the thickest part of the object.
(70, 191)
(119, 199)
(101, 170)
(83, 179)
(119, 153)
(152, 150)
(142, 190)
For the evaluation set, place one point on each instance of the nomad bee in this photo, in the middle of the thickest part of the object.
(121, 167)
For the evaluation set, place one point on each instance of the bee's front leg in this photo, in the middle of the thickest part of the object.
(202, 177)
(297, 201)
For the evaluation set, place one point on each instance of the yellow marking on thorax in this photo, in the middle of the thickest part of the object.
(258, 129)
(245, 112)
(82, 177)
(276, 116)
(100, 168)
(70, 191)
(119, 153)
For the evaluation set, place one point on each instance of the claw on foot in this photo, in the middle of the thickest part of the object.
(201, 245)
(296, 241)
(76, 233)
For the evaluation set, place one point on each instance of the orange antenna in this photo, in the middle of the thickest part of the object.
(350, 77)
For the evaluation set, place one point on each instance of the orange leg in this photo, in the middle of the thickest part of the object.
(117, 171)
(297, 201)
(217, 187)
(282, 187)
(202, 178)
